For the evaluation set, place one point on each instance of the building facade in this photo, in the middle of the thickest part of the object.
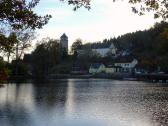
(101, 49)
(104, 51)
(127, 65)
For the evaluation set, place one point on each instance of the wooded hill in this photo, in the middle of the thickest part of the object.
(150, 47)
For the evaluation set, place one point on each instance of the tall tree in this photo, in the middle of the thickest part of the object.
(46, 55)
(76, 45)
(25, 38)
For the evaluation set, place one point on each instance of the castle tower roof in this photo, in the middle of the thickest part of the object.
(64, 36)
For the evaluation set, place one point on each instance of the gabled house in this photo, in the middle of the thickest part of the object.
(102, 49)
(127, 64)
(97, 68)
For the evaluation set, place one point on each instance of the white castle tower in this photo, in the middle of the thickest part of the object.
(64, 41)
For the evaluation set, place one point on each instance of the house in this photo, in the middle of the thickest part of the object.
(97, 68)
(127, 64)
(102, 49)
(110, 69)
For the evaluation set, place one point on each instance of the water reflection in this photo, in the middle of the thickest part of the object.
(16, 101)
(90, 102)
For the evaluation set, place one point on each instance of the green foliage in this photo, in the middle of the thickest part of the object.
(19, 67)
(1, 64)
(75, 45)
(79, 3)
(4, 72)
(19, 14)
(62, 68)
(46, 55)
(7, 43)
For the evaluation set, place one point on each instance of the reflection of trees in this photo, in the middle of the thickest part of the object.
(51, 94)
(20, 95)
(15, 117)
(15, 103)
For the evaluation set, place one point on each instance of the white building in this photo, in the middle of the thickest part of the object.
(97, 68)
(101, 49)
(126, 64)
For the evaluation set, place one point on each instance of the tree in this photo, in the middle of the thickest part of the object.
(18, 67)
(7, 43)
(75, 46)
(19, 14)
(4, 72)
(25, 38)
(46, 56)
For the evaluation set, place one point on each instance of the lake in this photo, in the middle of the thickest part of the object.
(84, 102)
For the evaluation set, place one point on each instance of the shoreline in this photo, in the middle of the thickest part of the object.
(126, 77)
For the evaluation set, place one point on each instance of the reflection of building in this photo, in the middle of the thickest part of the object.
(64, 42)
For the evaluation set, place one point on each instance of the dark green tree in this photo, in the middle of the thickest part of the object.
(46, 56)
(76, 45)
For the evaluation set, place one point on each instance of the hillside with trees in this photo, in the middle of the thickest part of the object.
(149, 47)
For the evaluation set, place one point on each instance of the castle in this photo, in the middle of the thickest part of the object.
(64, 42)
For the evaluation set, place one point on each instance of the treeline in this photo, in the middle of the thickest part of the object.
(149, 47)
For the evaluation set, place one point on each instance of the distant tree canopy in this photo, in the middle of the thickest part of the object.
(160, 7)
(46, 56)
(150, 47)
(75, 45)
(19, 14)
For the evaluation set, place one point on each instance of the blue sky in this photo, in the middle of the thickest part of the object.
(105, 20)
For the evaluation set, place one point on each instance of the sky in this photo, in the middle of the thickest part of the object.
(106, 19)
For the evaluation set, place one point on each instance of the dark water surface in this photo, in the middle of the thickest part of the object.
(89, 102)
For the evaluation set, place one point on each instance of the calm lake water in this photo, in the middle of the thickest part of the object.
(88, 102)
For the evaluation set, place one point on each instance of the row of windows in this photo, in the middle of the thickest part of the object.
(126, 64)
